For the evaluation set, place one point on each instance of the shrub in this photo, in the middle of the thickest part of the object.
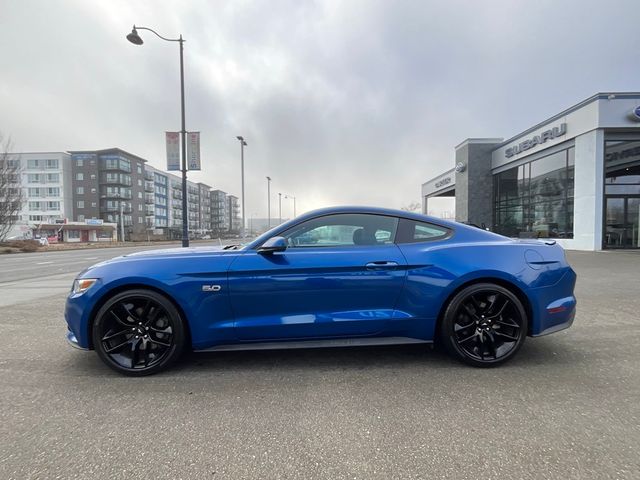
(26, 246)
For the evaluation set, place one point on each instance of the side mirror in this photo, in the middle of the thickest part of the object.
(274, 244)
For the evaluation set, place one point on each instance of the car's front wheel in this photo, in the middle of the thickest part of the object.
(484, 325)
(138, 332)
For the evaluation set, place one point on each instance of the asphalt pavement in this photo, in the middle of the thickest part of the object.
(566, 407)
(30, 276)
(21, 266)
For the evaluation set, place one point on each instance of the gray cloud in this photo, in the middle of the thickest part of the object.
(341, 102)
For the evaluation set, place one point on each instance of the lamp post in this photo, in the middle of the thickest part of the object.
(280, 208)
(134, 38)
(268, 203)
(242, 145)
(121, 219)
(294, 203)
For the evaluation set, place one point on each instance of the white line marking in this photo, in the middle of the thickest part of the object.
(43, 263)
(91, 258)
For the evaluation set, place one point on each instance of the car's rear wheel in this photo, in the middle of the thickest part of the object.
(484, 325)
(138, 332)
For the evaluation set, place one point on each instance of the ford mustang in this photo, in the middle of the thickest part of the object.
(333, 277)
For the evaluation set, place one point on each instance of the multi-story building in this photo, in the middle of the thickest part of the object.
(193, 206)
(198, 211)
(157, 200)
(219, 213)
(204, 205)
(175, 206)
(108, 183)
(45, 180)
(101, 185)
(233, 206)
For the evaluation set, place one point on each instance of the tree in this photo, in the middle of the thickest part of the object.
(413, 207)
(11, 196)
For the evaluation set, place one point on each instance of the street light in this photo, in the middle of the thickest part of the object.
(134, 38)
(268, 203)
(242, 145)
(119, 197)
(280, 208)
(294, 203)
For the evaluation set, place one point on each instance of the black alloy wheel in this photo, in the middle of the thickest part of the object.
(484, 325)
(138, 332)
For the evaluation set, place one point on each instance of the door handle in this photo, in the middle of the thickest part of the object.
(381, 264)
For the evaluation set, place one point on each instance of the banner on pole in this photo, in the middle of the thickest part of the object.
(173, 150)
(193, 150)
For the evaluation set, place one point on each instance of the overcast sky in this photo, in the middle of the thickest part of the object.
(341, 102)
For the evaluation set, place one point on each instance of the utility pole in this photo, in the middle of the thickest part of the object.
(242, 145)
(294, 203)
(280, 208)
(121, 221)
(268, 203)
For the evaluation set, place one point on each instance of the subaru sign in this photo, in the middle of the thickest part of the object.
(550, 134)
(443, 182)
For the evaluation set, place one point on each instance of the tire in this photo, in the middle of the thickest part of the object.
(138, 332)
(484, 325)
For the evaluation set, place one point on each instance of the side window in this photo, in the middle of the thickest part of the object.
(343, 230)
(412, 231)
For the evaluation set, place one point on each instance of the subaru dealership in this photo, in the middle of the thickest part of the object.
(574, 178)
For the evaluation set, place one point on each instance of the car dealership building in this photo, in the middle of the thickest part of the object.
(574, 177)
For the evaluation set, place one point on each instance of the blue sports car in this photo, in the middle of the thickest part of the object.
(333, 277)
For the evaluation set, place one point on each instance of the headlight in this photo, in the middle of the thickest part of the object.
(81, 285)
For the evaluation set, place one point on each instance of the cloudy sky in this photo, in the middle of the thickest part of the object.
(341, 102)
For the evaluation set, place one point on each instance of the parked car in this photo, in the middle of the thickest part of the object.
(42, 240)
(334, 277)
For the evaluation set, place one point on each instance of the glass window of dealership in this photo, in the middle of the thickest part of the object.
(574, 178)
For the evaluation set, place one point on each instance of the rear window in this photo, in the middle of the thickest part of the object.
(412, 231)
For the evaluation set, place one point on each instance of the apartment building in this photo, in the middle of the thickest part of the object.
(204, 204)
(233, 206)
(157, 200)
(45, 179)
(219, 213)
(107, 183)
(92, 186)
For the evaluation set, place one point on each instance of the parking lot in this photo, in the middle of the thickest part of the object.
(566, 407)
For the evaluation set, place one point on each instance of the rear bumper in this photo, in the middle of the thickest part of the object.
(554, 307)
(557, 316)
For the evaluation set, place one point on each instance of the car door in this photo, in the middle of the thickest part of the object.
(340, 275)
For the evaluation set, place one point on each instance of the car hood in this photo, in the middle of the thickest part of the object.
(191, 255)
(169, 252)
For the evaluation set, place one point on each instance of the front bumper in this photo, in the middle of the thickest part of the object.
(77, 314)
(73, 341)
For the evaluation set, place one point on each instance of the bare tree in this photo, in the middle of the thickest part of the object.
(412, 207)
(11, 196)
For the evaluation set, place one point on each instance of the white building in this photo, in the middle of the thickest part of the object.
(574, 177)
(47, 190)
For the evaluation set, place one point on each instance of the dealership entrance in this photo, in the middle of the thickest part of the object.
(622, 222)
(621, 193)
